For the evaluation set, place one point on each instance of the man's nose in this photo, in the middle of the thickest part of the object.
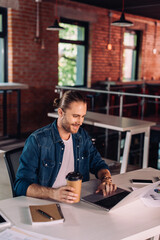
(81, 119)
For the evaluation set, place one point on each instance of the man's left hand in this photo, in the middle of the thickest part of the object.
(106, 187)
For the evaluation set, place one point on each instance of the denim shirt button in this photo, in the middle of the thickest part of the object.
(82, 157)
(46, 164)
(62, 148)
(77, 159)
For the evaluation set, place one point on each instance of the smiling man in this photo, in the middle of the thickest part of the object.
(53, 151)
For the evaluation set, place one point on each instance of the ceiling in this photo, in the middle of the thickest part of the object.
(146, 8)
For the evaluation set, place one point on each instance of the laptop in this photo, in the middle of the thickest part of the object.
(118, 198)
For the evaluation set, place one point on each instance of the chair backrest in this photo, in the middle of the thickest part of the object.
(12, 162)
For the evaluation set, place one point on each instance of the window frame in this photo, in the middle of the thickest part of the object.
(79, 42)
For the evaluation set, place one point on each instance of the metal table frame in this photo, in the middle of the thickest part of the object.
(7, 88)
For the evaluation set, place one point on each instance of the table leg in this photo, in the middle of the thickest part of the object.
(18, 113)
(119, 147)
(4, 113)
(146, 148)
(126, 152)
(108, 98)
(157, 237)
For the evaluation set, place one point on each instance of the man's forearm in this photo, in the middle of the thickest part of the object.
(37, 191)
(63, 194)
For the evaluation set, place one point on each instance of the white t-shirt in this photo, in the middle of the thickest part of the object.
(67, 163)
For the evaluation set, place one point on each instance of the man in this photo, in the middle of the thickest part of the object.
(51, 152)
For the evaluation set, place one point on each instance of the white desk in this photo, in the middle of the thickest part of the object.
(121, 124)
(8, 87)
(134, 221)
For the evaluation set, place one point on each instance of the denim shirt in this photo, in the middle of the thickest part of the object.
(42, 157)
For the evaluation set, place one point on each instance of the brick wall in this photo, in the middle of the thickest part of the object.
(37, 67)
(30, 64)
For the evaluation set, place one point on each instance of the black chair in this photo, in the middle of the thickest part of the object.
(12, 162)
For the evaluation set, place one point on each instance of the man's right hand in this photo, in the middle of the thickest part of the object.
(63, 194)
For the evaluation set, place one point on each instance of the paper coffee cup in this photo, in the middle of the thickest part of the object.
(74, 179)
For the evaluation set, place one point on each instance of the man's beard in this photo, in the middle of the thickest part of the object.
(68, 127)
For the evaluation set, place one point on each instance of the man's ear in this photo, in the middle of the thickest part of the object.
(60, 112)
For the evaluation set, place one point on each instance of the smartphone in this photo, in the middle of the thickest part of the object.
(4, 221)
(141, 181)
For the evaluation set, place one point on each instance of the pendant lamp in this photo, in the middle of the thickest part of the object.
(55, 26)
(122, 22)
(37, 38)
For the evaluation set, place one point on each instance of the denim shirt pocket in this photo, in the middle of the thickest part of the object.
(85, 155)
(47, 165)
(46, 171)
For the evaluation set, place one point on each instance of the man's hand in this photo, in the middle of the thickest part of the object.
(64, 194)
(106, 187)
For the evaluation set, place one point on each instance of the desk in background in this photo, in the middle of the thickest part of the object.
(8, 87)
(83, 221)
(121, 124)
(150, 87)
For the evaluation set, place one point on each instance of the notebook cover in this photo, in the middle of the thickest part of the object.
(54, 210)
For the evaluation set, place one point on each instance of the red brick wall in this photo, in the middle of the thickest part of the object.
(29, 64)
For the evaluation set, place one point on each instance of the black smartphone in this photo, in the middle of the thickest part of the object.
(4, 221)
(141, 181)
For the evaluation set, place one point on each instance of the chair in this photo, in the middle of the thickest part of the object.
(12, 162)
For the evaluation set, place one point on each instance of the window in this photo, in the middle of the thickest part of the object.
(72, 49)
(130, 55)
(3, 45)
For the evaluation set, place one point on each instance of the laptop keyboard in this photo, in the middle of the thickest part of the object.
(111, 201)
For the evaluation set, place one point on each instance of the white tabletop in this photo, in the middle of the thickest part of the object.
(134, 221)
(115, 122)
(12, 86)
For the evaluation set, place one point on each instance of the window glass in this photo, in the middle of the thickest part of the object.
(0, 22)
(130, 56)
(71, 64)
(1, 60)
(129, 64)
(3, 44)
(71, 32)
(130, 39)
(72, 50)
